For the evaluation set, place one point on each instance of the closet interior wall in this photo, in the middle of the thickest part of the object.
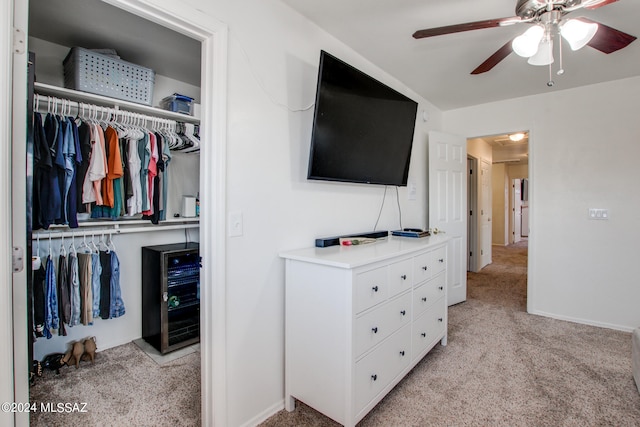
(184, 180)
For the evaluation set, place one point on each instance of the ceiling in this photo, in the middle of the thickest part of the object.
(438, 67)
(165, 51)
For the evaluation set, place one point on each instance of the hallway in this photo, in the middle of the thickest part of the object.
(504, 281)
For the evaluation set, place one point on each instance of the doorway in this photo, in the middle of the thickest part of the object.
(506, 158)
(212, 37)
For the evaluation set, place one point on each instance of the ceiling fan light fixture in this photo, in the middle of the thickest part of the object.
(578, 33)
(526, 44)
(544, 55)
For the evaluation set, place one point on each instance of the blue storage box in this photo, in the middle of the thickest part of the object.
(178, 103)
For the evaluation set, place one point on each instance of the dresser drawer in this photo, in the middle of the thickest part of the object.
(374, 371)
(371, 288)
(438, 260)
(428, 327)
(422, 267)
(425, 295)
(400, 277)
(374, 326)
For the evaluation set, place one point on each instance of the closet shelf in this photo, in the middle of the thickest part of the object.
(115, 227)
(50, 90)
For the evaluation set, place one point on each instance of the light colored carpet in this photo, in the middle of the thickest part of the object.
(125, 387)
(504, 367)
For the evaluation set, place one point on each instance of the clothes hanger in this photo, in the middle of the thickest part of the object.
(63, 251)
(111, 244)
(72, 246)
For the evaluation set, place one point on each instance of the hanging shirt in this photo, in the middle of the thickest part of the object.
(144, 151)
(97, 169)
(114, 166)
(42, 165)
(72, 199)
(51, 202)
(84, 141)
(134, 203)
(166, 157)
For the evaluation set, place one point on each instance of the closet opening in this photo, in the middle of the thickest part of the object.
(188, 57)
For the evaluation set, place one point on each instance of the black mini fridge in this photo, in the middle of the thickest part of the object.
(171, 295)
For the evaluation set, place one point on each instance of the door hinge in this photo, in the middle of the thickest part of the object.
(470, 213)
(470, 253)
(17, 259)
(19, 41)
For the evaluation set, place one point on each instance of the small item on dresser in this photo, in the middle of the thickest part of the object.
(410, 232)
(354, 241)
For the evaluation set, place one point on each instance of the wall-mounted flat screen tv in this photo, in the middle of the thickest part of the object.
(362, 129)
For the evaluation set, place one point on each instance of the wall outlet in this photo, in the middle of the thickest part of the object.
(598, 213)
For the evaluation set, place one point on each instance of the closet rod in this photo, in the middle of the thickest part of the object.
(46, 89)
(96, 232)
(45, 103)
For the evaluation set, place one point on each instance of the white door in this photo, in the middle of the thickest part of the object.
(448, 205)
(517, 210)
(485, 214)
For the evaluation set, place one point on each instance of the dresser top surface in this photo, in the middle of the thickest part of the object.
(356, 256)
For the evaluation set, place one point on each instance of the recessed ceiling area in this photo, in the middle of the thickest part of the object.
(505, 150)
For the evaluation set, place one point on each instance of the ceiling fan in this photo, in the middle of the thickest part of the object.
(548, 19)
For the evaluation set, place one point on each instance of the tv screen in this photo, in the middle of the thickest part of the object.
(362, 129)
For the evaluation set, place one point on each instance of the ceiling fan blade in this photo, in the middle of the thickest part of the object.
(494, 59)
(458, 28)
(609, 39)
(596, 4)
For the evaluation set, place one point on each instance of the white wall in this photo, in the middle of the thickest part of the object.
(584, 148)
(273, 64)
(500, 210)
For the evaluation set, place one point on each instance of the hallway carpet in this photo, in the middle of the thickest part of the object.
(504, 367)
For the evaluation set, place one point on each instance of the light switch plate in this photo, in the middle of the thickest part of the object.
(235, 224)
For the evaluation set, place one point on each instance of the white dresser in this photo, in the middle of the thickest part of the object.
(358, 319)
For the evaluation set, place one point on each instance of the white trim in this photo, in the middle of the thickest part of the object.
(214, 38)
(6, 280)
(583, 321)
(264, 415)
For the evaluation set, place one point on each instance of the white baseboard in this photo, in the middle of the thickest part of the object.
(622, 328)
(270, 411)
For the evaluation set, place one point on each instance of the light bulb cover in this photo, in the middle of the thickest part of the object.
(527, 43)
(515, 137)
(544, 55)
(578, 33)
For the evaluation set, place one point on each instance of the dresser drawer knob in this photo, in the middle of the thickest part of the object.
(424, 334)
(374, 377)
(425, 268)
(402, 353)
(404, 277)
(374, 289)
(440, 287)
(441, 260)
(424, 299)
(403, 312)
(374, 330)
(440, 319)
